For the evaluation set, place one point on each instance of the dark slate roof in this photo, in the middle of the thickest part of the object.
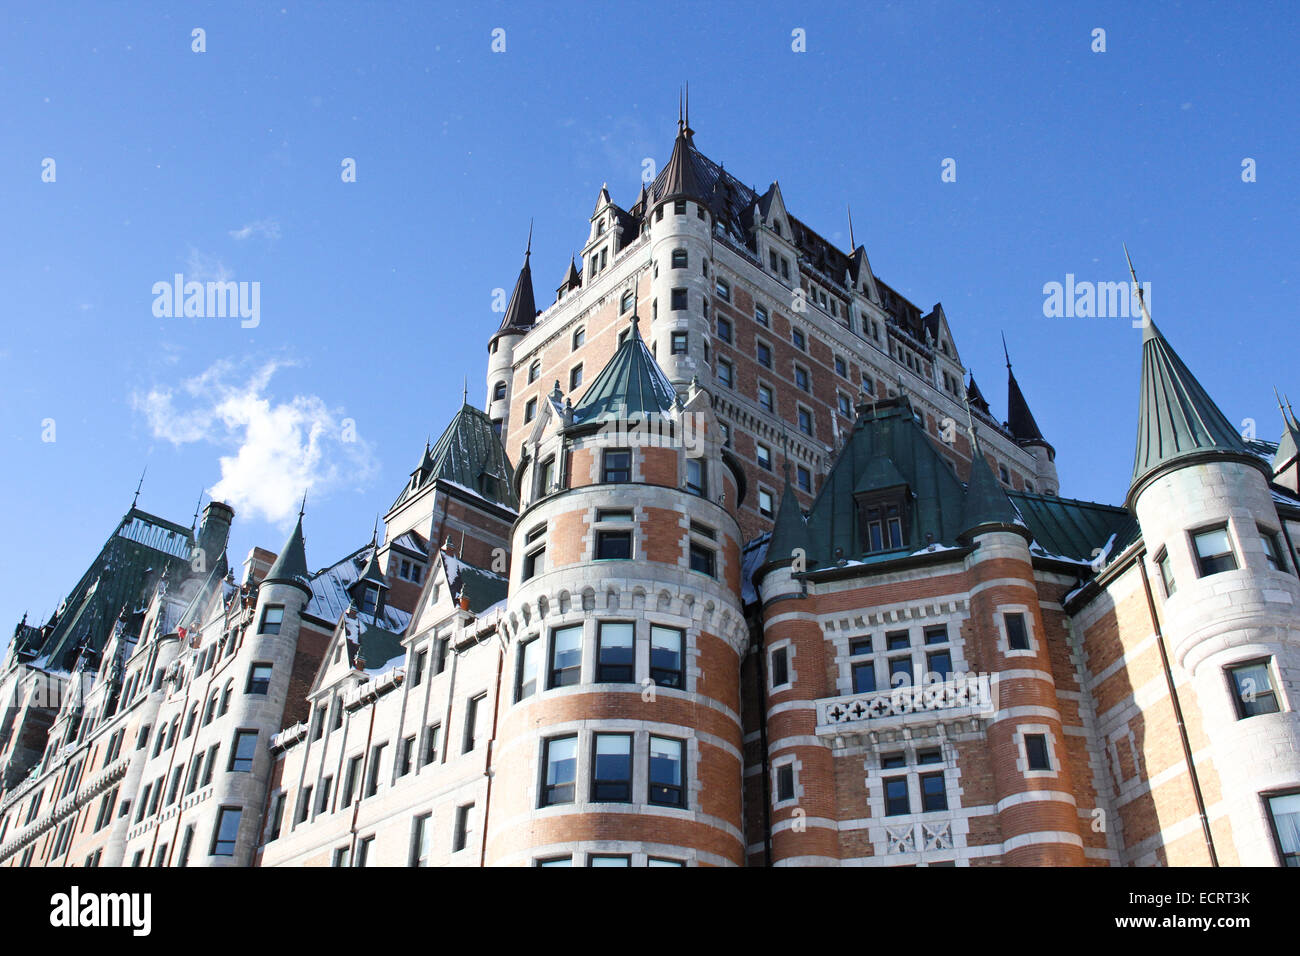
(975, 396)
(1288, 447)
(485, 588)
(331, 595)
(680, 178)
(375, 646)
(630, 383)
(468, 454)
(986, 503)
(124, 574)
(290, 565)
(885, 430)
(521, 312)
(1020, 420)
(1177, 417)
(1073, 529)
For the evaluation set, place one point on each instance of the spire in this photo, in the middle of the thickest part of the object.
(986, 505)
(139, 485)
(521, 312)
(789, 529)
(1288, 446)
(680, 179)
(1177, 419)
(290, 566)
(1019, 418)
(975, 397)
(853, 243)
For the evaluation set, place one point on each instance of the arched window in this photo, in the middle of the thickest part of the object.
(176, 727)
(191, 720)
(534, 370)
(579, 336)
(225, 697)
(211, 710)
(498, 391)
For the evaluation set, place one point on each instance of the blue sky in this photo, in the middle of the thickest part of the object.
(376, 295)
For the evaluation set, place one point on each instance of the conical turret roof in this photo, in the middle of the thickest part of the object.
(790, 530)
(632, 383)
(680, 180)
(521, 311)
(1288, 446)
(986, 503)
(1177, 418)
(290, 566)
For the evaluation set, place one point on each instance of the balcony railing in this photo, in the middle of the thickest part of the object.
(962, 696)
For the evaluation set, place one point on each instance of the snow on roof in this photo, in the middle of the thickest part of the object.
(330, 597)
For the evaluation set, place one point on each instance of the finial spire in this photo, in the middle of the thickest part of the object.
(374, 533)
(464, 391)
(198, 504)
(1005, 352)
(853, 243)
(688, 106)
(528, 250)
(139, 485)
(302, 509)
(681, 122)
(636, 319)
(1138, 286)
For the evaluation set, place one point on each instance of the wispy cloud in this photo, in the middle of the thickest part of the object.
(203, 267)
(265, 228)
(277, 449)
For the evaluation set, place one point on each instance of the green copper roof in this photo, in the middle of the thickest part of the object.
(886, 442)
(1177, 417)
(986, 502)
(632, 383)
(790, 531)
(290, 565)
(376, 646)
(468, 454)
(1073, 529)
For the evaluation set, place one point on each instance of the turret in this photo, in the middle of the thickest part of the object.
(1023, 428)
(519, 318)
(1227, 590)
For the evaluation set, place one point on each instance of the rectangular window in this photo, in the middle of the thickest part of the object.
(763, 454)
(843, 404)
(417, 673)
(464, 827)
(376, 761)
(937, 634)
(351, 780)
(259, 679)
(276, 816)
(1252, 688)
(421, 831)
(318, 722)
(667, 772)
(575, 377)
(526, 670)
(340, 857)
(803, 478)
(763, 352)
(472, 713)
(897, 801)
(211, 764)
(933, 794)
(702, 559)
(186, 842)
(226, 833)
(760, 315)
(530, 410)
(900, 671)
(1017, 633)
(667, 656)
(678, 300)
(797, 339)
(679, 207)
(241, 758)
(679, 260)
(805, 421)
(613, 545)
(430, 744)
(861, 645)
(534, 563)
(724, 330)
(939, 663)
(840, 368)
(780, 667)
(680, 343)
(801, 380)
(765, 503)
(1036, 753)
(726, 375)
(1214, 551)
(1284, 811)
(695, 476)
(785, 782)
(363, 850)
(606, 859)
(566, 656)
(405, 755)
(1272, 551)
(616, 465)
(897, 640)
(561, 762)
(272, 618)
(611, 773)
(864, 678)
(614, 652)
(724, 290)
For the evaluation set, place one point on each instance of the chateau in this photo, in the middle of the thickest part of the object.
(737, 567)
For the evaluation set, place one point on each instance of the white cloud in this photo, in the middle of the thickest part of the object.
(277, 449)
(266, 228)
(201, 267)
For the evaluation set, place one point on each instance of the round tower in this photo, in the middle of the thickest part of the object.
(1032, 781)
(1216, 562)
(682, 284)
(619, 738)
(262, 672)
(520, 316)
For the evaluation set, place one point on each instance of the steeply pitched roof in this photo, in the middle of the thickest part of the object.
(290, 565)
(1019, 418)
(1073, 529)
(679, 179)
(521, 312)
(483, 587)
(331, 596)
(468, 454)
(986, 503)
(631, 383)
(789, 531)
(1288, 446)
(975, 396)
(1176, 417)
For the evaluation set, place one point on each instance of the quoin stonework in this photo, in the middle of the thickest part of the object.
(736, 566)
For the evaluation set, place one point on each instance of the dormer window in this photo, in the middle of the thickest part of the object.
(370, 599)
(884, 527)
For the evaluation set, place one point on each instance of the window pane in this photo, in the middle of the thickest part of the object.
(615, 662)
(1286, 821)
(666, 650)
(666, 771)
(561, 769)
(612, 770)
(566, 659)
(864, 678)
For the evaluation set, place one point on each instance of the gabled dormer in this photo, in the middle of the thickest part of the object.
(370, 590)
(884, 505)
